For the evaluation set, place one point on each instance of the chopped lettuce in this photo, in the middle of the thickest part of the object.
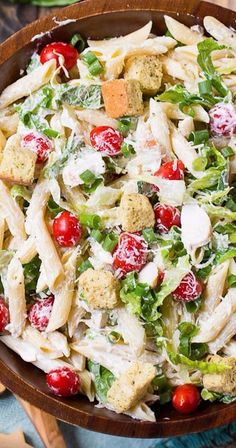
(172, 279)
(72, 146)
(205, 48)
(102, 378)
(194, 351)
(207, 395)
(179, 95)
(18, 191)
(203, 366)
(31, 274)
(84, 96)
(35, 108)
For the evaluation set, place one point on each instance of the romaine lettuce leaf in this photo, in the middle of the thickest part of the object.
(207, 395)
(203, 366)
(71, 147)
(84, 96)
(103, 380)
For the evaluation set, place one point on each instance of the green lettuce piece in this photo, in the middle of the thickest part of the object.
(179, 95)
(220, 212)
(212, 178)
(32, 111)
(172, 279)
(18, 191)
(31, 274)
(223, 256)
(203, 366)
(103, 380)
(205, 48)
(72, 146)
(84, 96)
(207, 395)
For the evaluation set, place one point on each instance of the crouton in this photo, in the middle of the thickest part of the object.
(99, 288)
(17, 164)
(136, 212)
(225, 382)
(146, 69)
(131, 386)
(122, 98)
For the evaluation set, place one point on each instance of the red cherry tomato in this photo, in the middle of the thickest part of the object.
(190, 288)
(63, 382)
(130, 253)
(223, 120)
(173, 170)
(57, 49)
(40, 312)
(186, 398)
(39, 144)
(4, 315)
(107, 140)
(161, 277)
(166, 217)
(67, 229)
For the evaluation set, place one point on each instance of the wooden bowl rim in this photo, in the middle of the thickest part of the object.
(64, 409)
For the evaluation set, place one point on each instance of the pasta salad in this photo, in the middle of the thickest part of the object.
(117, 217)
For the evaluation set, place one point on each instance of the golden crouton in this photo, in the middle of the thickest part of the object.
(122, 98)
(17, 164)
(146, 69)
(225, 382)
(136, 212)
(100, 289)
(131, 386)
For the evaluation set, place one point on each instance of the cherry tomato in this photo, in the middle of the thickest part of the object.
(4, 315)
(57, 49)
(40, 312)
(39, 144)
(186, 398)
(189, 289)
(67, 229)
(63, 382)
(173, 170)
(130, 253)
(161, 277)
(223, 120)
(166, 217)
(107, 140)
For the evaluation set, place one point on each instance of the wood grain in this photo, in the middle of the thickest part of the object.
(45, 424)
(98, 19)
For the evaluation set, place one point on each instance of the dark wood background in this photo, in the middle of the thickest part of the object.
(13, 17)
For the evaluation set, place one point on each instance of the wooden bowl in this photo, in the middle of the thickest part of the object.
(99, 19)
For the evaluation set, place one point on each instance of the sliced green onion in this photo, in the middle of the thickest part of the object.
(126, 124)
(227, 151)
(127, 149)
(199, 164)
(53, 208)
(91, 188)
(84, 266)
(231, 280)
(149, 235)
(204, 87)
(110, 242)
(78, 41)
(199, 137)
(97, 235)
(91, 221)
(87, 177)
(50, 133)
(114, 337)
(94, 65)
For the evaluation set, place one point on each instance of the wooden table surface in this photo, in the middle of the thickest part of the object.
(14, 17)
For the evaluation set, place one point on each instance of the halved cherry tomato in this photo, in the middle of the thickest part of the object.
(67, 229)
(107, 140)
(189, 289)
(4, 315)
(186, 398)
(166, 217)
(57, 49)
(39, 144)
(223, 120)
(173, 170)
(130, 253)
(63, 382)
(40, 312)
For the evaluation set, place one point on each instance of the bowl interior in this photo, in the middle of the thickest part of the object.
(23, 378)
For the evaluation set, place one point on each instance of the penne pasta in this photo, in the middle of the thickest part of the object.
(16, 297)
